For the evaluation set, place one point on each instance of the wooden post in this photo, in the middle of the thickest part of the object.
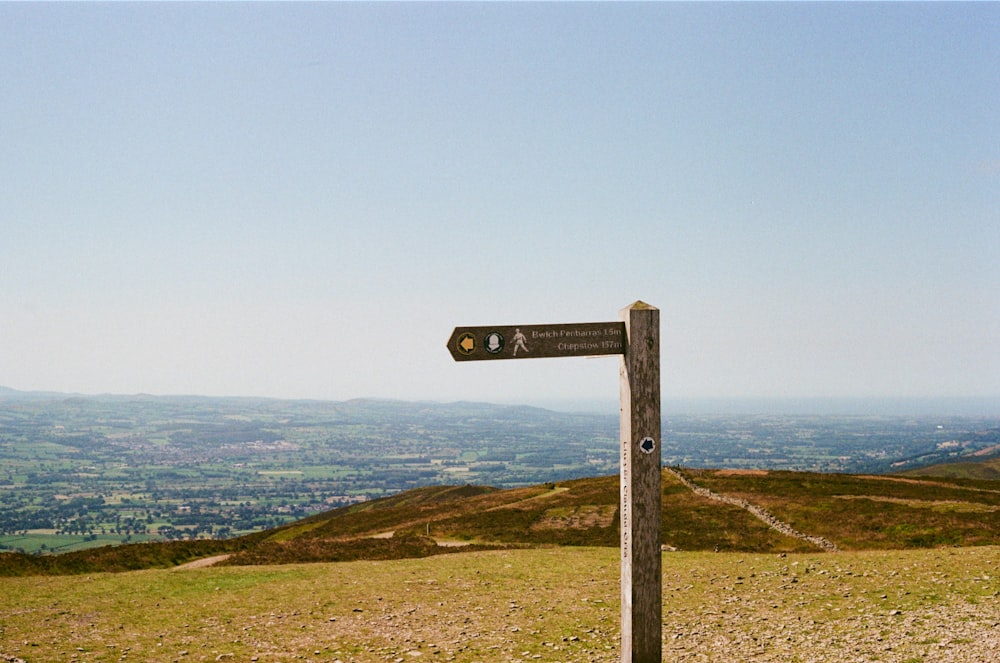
(640, 486)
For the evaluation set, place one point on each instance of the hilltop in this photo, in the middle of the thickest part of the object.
(703, 510)
(553, 604)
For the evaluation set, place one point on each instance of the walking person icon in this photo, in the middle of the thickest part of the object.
(519, 341)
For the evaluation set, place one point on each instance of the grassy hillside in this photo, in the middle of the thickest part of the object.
(850, 512)
(855, 512)
(554, 604)
(872, 512)
(983, 465)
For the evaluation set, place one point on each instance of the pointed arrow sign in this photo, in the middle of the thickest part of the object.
(582, 339)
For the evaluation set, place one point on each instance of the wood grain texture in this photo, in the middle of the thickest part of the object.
(640, 486)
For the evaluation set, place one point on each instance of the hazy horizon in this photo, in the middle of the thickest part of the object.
(877, 406)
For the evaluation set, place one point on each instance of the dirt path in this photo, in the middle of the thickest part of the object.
(922, 482)
(202, 563)
(759, 512)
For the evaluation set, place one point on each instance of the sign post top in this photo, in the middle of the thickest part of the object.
(640, 305)
(582, 339)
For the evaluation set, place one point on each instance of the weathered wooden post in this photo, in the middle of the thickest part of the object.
(640, 486)
(636, 337)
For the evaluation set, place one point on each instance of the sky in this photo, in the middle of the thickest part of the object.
(303, 200)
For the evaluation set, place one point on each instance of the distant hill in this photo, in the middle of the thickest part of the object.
(973, 456)
(983, 469)
(726, 510)
(15, 395)
(982, 465)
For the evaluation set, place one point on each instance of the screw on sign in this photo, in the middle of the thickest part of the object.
(636, 338)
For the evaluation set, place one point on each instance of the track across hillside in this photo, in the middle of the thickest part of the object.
(759, 512)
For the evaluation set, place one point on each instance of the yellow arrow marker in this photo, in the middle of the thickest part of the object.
(467, 343)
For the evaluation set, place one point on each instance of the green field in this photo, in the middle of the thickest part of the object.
(45, 541)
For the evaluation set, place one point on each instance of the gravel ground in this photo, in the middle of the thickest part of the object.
(528, 605)
(748, 631)
(824, 608)
(954, 634)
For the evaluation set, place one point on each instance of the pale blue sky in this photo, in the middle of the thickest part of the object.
(303, 200)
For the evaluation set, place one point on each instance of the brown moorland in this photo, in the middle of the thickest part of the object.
(852, 512)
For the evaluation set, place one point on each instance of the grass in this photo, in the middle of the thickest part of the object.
(557, 604)
(292, 611)
(62, 543)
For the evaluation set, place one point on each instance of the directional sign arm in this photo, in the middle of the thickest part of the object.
(583, 339)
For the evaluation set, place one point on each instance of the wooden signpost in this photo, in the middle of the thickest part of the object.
(639, 434)
(636, 337)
